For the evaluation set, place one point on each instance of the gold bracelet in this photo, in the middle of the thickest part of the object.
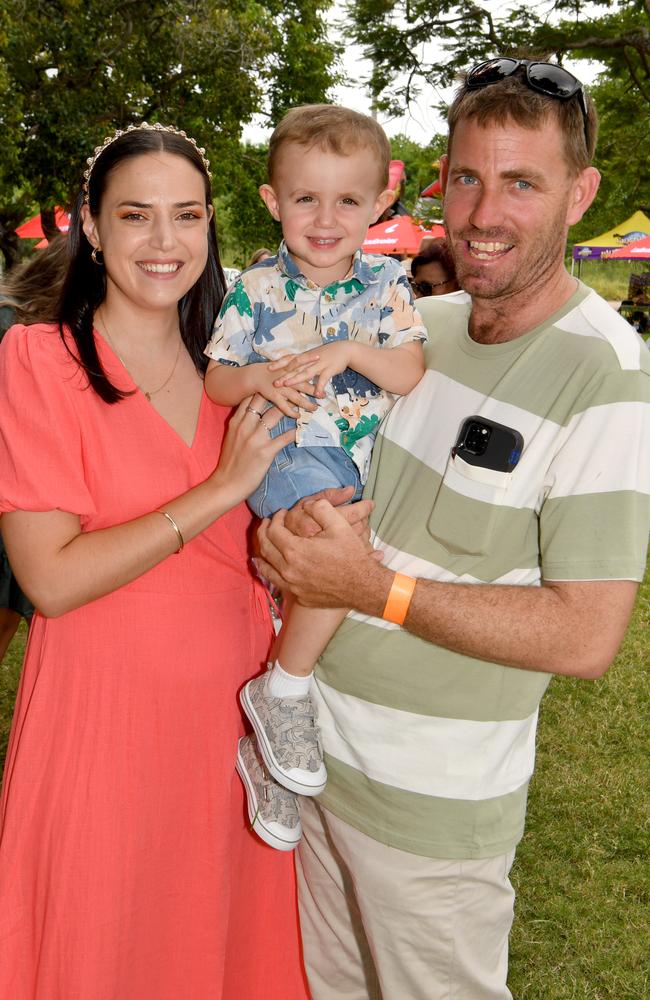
(399, 598)
(181, 540)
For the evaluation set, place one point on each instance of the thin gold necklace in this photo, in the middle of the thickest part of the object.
(153, 392)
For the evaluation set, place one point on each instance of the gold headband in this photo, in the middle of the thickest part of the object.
(144, 126)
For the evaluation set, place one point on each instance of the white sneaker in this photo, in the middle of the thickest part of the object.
(272, 809)
(287, 737)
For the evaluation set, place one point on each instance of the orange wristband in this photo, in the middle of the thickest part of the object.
(399, 598)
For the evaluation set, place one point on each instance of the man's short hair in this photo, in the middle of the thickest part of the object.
(511, 99)
(333, 128)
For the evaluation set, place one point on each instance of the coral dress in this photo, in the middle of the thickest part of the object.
(126, 868)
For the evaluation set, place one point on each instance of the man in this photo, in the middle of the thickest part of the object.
(501, 571)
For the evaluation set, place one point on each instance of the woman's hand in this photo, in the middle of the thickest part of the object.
(248, 448)
(61, 567)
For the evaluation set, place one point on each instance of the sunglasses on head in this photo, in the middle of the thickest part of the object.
(546, 78)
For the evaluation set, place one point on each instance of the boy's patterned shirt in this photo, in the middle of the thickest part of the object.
(273, 310)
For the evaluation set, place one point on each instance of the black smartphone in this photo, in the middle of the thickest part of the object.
(490, 445)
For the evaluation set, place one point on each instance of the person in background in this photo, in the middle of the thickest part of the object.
(29, 293)
(433, 271)
(126, 868)
(397, 187)
(512, 505)
(262, 254)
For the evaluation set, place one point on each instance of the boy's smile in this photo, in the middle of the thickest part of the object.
(325, 203)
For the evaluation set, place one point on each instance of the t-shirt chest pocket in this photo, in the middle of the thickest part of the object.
(467, 507)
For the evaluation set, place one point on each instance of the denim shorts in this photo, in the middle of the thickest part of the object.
(298, 472)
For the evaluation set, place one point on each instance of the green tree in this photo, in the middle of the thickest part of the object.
(302, 68)
(71, 70)
(421, 164)
(397, 37)
(622, 156)
(242, 217)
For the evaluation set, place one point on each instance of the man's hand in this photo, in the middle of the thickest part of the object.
(328, 570)
(301, 521)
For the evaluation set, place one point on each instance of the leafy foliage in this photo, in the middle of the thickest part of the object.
(421, 164)
(397, 37)
(72, 70)
(622, 156)
(240, 211)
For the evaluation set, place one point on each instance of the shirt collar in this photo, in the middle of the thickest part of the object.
(362, 271)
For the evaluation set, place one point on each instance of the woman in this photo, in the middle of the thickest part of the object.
(126, 871)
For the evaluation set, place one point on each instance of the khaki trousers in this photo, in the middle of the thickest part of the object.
(382, 924)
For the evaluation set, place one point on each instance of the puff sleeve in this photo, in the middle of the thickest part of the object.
(42, 399)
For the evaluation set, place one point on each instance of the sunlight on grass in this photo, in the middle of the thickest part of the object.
(610, 278)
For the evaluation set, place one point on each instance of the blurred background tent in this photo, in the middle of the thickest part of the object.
(633, 229)
(399, 235)
(639, 250)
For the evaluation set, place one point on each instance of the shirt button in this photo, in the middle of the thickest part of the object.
(331, 330)
(328, 298)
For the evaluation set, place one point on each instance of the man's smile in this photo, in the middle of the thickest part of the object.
(484, 250)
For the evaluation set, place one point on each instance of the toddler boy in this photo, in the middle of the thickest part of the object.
(329, 335)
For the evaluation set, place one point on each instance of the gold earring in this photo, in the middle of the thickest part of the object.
(93, 257)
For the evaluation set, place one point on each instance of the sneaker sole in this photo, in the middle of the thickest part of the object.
(269, 837)
(266, 750)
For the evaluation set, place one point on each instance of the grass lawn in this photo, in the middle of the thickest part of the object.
(582, 872)
(610, 278)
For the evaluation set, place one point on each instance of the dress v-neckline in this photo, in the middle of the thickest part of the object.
(147, 402)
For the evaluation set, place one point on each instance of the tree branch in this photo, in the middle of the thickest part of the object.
(632, 72)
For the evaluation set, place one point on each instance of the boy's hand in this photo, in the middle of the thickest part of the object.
(287, 398)
(311, 371)
(301, 522)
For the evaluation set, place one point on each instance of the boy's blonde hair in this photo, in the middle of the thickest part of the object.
(333, 128)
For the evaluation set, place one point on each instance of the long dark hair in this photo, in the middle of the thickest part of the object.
(84, 288)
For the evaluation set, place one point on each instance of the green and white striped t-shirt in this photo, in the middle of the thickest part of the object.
(428, 750)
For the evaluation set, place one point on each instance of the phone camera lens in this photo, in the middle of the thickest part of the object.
(476, 438)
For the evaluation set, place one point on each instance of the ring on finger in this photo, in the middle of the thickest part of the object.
(250, 409)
